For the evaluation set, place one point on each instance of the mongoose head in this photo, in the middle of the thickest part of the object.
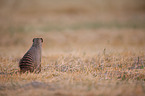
(37, 41)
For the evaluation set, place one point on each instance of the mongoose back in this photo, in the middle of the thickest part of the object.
(31, 61)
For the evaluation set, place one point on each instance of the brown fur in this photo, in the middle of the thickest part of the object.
(31, 61)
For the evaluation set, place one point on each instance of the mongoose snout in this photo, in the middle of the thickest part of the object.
(31, 61)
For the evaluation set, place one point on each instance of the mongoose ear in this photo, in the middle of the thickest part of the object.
(33, 39)
(41, 39)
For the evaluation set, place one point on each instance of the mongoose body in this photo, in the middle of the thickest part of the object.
(31, 61)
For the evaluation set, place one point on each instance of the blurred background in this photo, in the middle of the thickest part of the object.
(68, 24)
(91, 47)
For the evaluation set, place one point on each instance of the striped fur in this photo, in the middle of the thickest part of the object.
(26, 63)
(31, 61)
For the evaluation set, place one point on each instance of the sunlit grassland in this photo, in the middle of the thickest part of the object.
(90, 48)
(72, 64)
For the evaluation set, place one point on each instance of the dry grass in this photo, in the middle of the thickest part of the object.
(84, 54)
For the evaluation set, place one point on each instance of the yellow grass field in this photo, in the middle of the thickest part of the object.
(90, 48)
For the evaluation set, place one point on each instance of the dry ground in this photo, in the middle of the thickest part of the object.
(90, 48)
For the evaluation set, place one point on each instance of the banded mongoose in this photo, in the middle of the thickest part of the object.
(31, 61)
